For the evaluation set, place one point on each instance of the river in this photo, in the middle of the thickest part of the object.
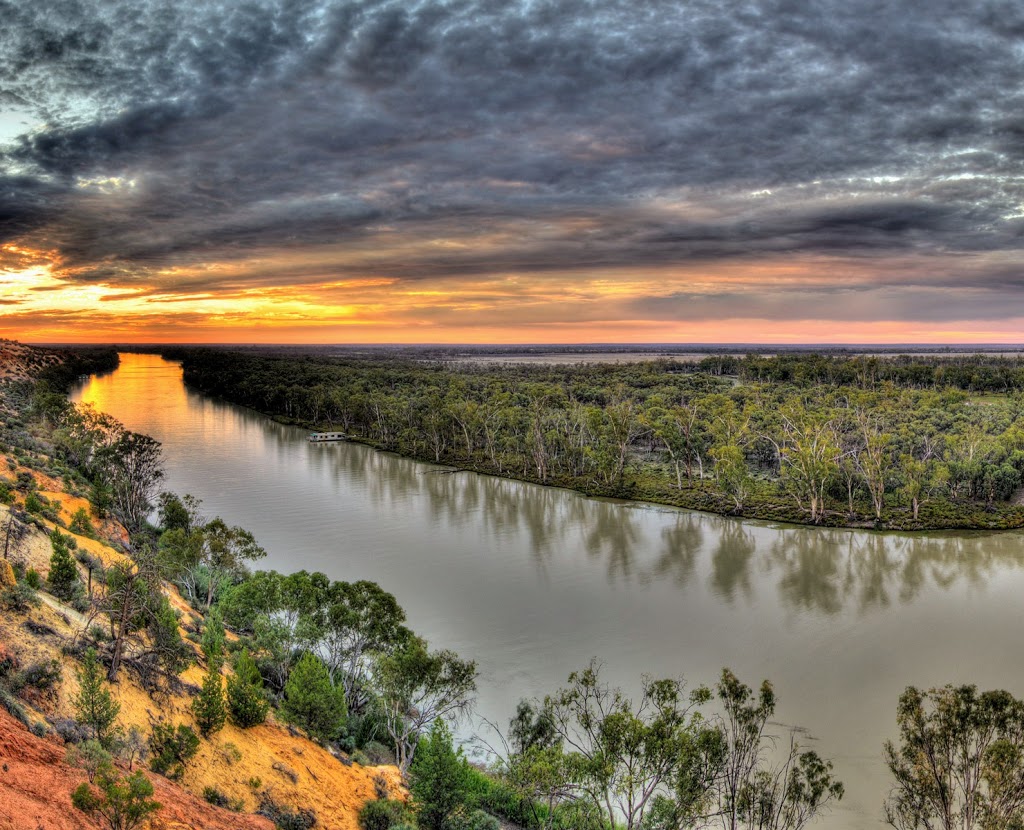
(533, 581)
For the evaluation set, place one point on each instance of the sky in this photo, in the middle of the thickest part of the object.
(512, 171)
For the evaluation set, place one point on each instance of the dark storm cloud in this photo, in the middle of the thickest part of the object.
(586, 134)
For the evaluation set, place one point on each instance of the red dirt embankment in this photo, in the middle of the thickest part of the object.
(36, 786)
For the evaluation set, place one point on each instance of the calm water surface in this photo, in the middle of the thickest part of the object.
(533, 581)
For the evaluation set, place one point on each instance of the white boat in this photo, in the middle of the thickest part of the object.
(322, 437)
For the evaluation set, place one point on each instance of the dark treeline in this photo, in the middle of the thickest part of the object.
(895, 442)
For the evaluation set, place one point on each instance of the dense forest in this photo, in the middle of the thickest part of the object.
(884, 441)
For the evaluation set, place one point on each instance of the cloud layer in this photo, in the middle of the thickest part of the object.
(483, 165)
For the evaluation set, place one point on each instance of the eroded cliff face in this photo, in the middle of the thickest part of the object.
(36, 785)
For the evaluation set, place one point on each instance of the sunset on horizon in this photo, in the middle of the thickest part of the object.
(525, 172)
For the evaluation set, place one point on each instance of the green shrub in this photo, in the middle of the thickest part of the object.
(216, 797)
(20, 598)
(384, 814)
(172, 748)
(283, 817)
(208, 708)
(13, 707)
(357, 756)
(125, 802)
(88, 755)
(94, 704)
(63, 579)
(440, 781)
(81, 523)
(463, 819)
(312, 701)
(246, 704)
(33, 579)
(43, 675)
(379, 753)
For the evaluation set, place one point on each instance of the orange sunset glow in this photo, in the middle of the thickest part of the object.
(346, 186)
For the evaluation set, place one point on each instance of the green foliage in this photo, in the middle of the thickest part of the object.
(417, 686)
(246, 703)
(212, 642)
(88, 755)
(33, 579)
(14, 708)
(959, 763)
(383, 814)
(95, 706)
(63, 579)
(209, 706)
(285, 818)
(162, 624)
(623, 752)
(749, 789)
(33, 504)
(171, 748)
(463, 819)
(821, 438)
(439, 779)
(125, 802)
(43, 675)
(312, 701)
(20, 597)
(81, 523)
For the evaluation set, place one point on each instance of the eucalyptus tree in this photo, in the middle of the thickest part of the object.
(619, 754)
(415, 687)
(959, 761)
(808, 453)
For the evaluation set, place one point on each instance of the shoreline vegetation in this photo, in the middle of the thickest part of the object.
(886, 442)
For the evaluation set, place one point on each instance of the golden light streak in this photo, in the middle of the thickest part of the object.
(239, 301)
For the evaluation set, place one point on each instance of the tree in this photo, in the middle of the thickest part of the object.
(959, 764)
(808, 452)
(94, 705)
(213, 551)
(416, 688)
(621, 755)
(874, 460)
(124, 801)
(209, 707)
(751, 791)
(439, 779)
(731, 472)
(63, 577)
(536, 764)
(361, 621)
(247, 705)
(126, 601)
(133, 467)
(312, 701)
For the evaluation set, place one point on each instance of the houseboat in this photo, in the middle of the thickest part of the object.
(321, 437)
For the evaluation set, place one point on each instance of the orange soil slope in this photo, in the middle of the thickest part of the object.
(36, 786)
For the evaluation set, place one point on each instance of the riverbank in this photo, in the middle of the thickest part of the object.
(747, 446)
(702, 498)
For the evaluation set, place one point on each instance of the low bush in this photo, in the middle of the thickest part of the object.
(19, 598)
(42, 675)
(172, 748)
(285, 818)
(13, 707)
(385, 814)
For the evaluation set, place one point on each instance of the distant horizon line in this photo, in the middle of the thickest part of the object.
(615, 346)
